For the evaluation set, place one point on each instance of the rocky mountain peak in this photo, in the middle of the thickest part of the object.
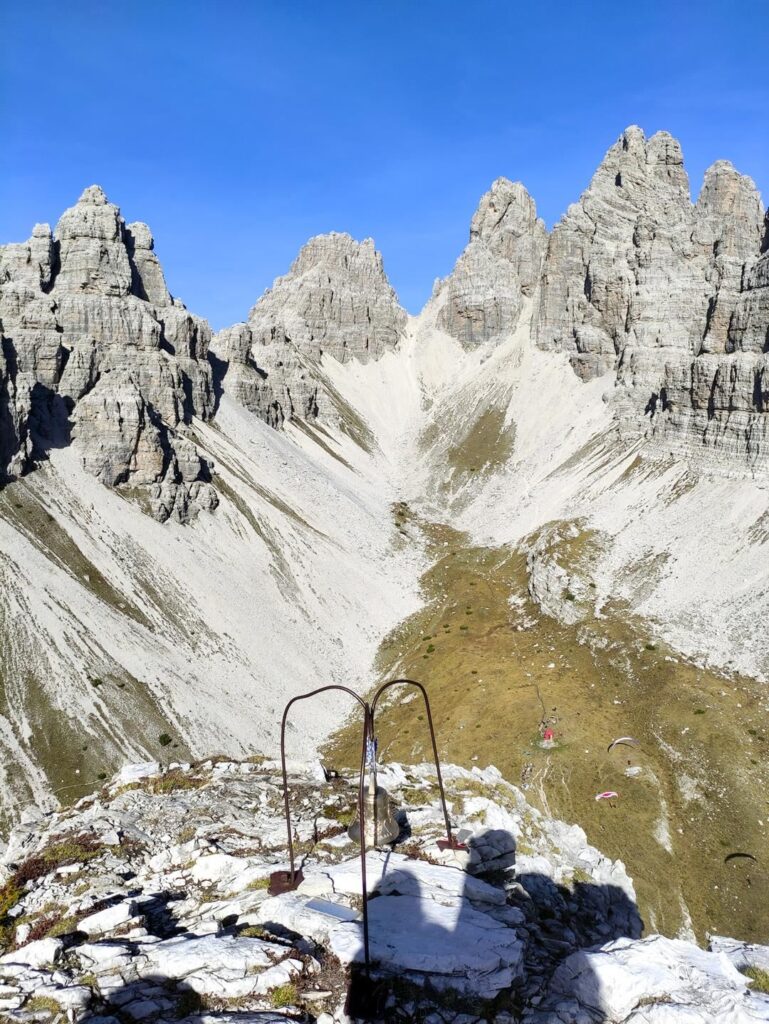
(729, 212)
(147, 281)
(657, 160)
(96, 353)
(335, 301)
(505, 213)
(637, 176)
(639, 280)
(338, 253)
(482, 298)
(93, 195)
(92, 251)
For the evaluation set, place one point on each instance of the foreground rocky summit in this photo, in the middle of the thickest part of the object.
(149, 902)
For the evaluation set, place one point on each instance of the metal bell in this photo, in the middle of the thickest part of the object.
(378, 807)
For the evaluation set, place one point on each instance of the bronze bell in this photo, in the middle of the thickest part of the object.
(378, 807)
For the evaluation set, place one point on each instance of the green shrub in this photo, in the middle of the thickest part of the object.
(284, 995)
(37, 1003)
(253, 931)
(164, 739)
(344, 815)
(759, 978)
(73, 850)
(259, 883)
(173, 781)
(66, 851)
(10, 894)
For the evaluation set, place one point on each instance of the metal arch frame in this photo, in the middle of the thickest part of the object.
(285, 881)
(282, 881)
(450, 842)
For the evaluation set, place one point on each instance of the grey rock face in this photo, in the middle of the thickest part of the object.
(500, 266)
(266, 394)
(336, 300)
(639, 280)
(147, 280)
(96, 351)
(93, 258)
(618, 264)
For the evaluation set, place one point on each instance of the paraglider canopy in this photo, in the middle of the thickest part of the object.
(629, 740)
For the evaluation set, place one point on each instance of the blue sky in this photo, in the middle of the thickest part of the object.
(239, 129)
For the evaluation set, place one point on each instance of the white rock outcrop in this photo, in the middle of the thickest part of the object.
(655, 980)
(165, 925)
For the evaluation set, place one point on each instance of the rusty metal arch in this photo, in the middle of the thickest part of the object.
(450, 841)
(282, 881)
(285, 881)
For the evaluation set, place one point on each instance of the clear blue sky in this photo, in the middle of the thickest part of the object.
(239, 129)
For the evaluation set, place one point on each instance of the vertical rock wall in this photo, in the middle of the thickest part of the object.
(501, 265)
(96, 352)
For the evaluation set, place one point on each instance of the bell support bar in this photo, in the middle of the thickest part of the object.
(450, 842)
(285, 881)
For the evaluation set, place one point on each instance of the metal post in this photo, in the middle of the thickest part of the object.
(285, 881)
(367, 723)
(449, 843)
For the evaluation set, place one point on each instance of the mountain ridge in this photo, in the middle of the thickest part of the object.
(228, 565)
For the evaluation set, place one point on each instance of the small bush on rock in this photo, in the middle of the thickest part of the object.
(759, 978)
(284, 995)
